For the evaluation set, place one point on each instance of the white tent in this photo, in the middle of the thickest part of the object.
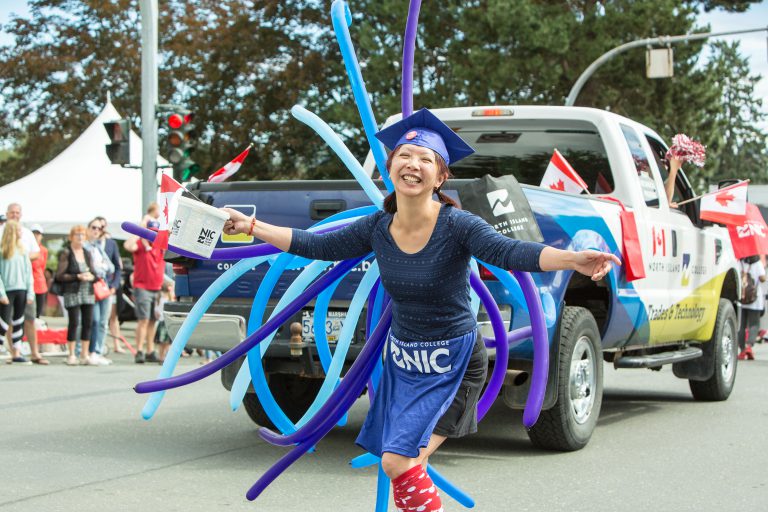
(81, 183)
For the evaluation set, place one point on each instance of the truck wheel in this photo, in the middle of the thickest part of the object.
(256, 411)
(724, 346)
(568, 425)
(293, 393)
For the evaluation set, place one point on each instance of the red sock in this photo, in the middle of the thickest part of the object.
(414, 492)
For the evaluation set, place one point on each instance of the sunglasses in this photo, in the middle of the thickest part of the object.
(97, 228)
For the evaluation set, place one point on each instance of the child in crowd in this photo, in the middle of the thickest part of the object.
(162, 337)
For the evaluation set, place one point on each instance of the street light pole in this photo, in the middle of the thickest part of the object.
(148, 102)
(660, 41)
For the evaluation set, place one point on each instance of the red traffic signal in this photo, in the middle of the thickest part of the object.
(175, 121)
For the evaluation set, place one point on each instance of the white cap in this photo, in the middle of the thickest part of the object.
(36, 227)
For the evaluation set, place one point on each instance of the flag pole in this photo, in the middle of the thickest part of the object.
(714, 192)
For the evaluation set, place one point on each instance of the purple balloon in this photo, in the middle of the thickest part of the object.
(409, 49)
(251, 341)
(512, 337)
(345, 394)
(229, 253)
(502, 349)
(540, 350)
(376, 342)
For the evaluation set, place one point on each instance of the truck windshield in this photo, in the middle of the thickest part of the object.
(524, 148)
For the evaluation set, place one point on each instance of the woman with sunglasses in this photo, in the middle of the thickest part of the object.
(103, 268)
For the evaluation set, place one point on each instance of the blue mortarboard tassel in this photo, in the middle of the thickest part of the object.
(423, 128)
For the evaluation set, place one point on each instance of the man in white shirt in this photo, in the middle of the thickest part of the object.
(28, 240)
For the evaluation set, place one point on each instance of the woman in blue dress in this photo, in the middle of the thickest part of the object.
(435, 360)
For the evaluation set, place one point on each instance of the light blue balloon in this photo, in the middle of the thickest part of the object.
(345, 338)
(189, 324)
(267, 285)
(337, 145)
(342, 19)
(260, 385)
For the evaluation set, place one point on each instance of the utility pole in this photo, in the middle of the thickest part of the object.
(660, 41)
(148, 102)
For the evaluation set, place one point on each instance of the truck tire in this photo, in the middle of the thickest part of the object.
(256, 411)
(293, 393)
(724, 346)
(568, 425)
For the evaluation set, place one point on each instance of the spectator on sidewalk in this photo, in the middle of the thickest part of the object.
(76, 274)
(752, 303)
(115, 282)
(13, 212)
(38, 271)
(152, 216)
(148, 266)
(16, 289)
(102, 268)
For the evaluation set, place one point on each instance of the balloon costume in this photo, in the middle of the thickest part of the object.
(442, 357)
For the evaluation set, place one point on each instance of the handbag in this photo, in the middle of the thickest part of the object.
(630, 244)
(100, 289)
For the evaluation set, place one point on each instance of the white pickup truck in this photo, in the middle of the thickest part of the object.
(684, 312)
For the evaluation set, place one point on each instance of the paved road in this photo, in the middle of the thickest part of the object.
(72, 440)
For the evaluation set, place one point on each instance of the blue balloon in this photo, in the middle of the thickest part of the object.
(189, 324)
(342, 19)
(334, 141)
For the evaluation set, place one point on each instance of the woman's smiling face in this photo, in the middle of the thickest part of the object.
(414, 170)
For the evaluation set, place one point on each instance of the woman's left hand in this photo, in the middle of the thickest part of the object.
(594, 264)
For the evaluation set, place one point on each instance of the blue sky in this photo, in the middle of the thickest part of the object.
(754, 46)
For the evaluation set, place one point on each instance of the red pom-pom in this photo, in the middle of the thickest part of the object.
(688, 150)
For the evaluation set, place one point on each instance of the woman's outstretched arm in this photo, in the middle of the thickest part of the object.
(239, 222)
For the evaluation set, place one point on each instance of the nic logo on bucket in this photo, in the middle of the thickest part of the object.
(206, 237)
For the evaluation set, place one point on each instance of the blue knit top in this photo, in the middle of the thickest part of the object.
(430, 288)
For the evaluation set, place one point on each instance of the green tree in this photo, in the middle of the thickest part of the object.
(241, 64)
(736, 146)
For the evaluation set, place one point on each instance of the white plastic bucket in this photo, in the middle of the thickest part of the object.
(196, 227)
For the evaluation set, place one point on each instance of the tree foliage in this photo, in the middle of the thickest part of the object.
(241, 64)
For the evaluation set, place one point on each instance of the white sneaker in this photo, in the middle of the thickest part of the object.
(93, 360)
(103, 360)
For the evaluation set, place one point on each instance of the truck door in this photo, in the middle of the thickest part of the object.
(695, 286)
(657, 237)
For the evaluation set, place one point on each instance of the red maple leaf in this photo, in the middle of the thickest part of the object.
(724, 198)
(165, 211)
(558, 186)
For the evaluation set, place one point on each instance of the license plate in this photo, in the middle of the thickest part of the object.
(333, 323)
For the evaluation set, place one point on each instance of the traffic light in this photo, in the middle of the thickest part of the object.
(119, 147)
(181, 141)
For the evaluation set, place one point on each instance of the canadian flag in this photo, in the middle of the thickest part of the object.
(659, 241)
(166, 196)
(727, 205)
(229, 169)
(561, 176)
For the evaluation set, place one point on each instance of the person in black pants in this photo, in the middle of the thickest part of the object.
(75, 273)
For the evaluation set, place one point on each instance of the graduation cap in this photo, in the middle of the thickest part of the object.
(423, 128)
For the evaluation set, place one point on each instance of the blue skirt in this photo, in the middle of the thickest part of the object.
(418, 384)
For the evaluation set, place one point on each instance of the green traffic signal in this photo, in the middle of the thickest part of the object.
(180, 142)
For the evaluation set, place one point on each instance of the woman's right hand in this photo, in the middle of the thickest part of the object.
(85, 276)
(238, 222)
